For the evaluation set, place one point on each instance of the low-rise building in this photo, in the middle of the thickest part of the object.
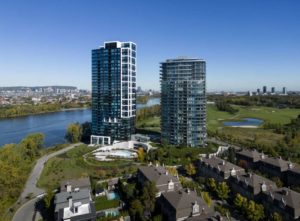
(183, 204)
(217, 168)
(287, 171)
(248, 158)
(74, 202)
(74, 206)
(164, 181)
(293, 175)
(80, 183)
(283, 201)
(250, 185)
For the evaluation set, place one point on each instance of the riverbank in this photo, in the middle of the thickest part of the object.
(42, 112)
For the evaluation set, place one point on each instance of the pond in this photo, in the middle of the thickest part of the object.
(245, 122)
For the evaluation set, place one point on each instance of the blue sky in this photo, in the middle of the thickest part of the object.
(246, 43)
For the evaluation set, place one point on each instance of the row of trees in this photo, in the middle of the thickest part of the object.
(10, 111)
(16, 162)
(269, 101)
(223, 106)
(141, 200)
(249, 209)
(23, 110)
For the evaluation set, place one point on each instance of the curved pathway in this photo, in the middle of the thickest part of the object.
(27, 210)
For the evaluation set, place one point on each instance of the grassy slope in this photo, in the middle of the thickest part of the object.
(72, 165)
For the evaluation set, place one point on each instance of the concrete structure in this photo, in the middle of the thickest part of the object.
(114, 90)
(183, 205)
(183, 101)
(164, 181)
(220, 170)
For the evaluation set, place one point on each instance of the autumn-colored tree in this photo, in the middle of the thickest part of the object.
(141, 154)
(74, 133)
(190, 169)
(206, 198)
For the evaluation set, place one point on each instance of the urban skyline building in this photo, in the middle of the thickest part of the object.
(265, 89)
(183, 101)
(284, 90)
(113, 92)
(273, 90)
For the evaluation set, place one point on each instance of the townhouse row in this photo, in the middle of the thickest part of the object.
(252, 186)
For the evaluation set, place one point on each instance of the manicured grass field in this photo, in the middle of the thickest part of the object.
(216, 118)
(71, 165)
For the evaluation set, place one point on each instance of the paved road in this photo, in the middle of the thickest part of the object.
(27, 210)
(222, 143)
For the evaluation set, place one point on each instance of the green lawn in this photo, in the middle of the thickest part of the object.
(215, 118)
(102, 203)
(150, 124)
(71, 165)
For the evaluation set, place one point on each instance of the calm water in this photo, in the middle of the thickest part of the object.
(150, 102)
(52, 125)
(244, 122)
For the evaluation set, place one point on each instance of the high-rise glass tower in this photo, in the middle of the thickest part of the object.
(114, 90)
(183, 101)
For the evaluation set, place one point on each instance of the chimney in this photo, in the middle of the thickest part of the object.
(70, 203)
(69, 188)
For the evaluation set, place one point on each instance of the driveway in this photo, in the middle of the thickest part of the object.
(26, 212)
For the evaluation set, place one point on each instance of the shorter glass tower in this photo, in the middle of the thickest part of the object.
(183, 102)
(114, 90)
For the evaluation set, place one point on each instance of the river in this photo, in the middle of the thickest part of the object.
(52, 125)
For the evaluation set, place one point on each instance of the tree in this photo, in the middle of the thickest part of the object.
(157, 218)
(86, 131)
(31, 145)
(211, 183)
(141, 154)
(74, 133)
(278, 181)
(48, 198)
(190, 169)
(136, 210)
(149, 196)
(276, 217)
(206, 198)
(172, 170)
(254, 212)
(239, 201)
(223, 191)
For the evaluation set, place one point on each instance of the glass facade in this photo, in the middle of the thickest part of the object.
(183, 102)
(114, 90)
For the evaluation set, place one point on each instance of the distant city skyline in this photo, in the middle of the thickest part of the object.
(245, 43)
